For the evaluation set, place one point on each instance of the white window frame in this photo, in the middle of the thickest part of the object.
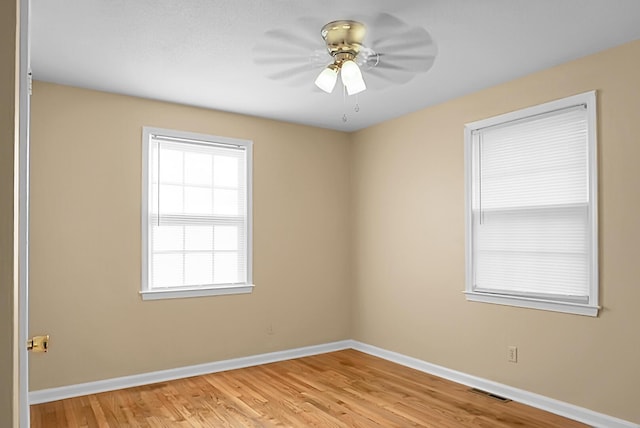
(149, 293)
(591, 307)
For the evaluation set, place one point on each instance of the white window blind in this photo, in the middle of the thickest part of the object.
(531, 207)
(197, 213)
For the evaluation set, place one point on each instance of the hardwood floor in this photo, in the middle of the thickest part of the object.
(339, 389)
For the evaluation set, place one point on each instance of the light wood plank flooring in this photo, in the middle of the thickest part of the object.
(339, 389)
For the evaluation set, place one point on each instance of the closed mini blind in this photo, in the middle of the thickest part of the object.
(197, 214)
(530, 207)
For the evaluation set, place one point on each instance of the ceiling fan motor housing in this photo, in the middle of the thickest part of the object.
(344, 37)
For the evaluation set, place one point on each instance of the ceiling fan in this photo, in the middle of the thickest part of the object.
(367, 52)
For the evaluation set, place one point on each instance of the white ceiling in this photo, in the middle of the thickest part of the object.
(200, 52)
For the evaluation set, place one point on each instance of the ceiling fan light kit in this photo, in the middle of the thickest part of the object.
(344, 41)
(352, 77)
(327, 78)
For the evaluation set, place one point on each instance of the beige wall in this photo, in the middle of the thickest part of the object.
(85, 241)
(8, 25)
(356, 236)
(408, 219)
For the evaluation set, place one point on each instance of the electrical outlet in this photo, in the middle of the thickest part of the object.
(512, 354)
(270, 330)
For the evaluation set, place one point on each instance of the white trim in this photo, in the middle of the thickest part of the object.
(468, 208)
(592, 135)
(573, 100)
(557, 407)
(179, 293)
(533, 303)
(538, 302)
(146, 292)
(144, 209)
(249, 208)
(24, 117)
(54, 394)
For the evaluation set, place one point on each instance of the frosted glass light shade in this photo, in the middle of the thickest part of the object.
(352, 78)
(327, 78)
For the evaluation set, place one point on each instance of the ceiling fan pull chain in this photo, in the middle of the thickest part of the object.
(344, 103)
(356, 108)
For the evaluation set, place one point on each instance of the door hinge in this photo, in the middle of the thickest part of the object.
(38, 344)
(30, 82)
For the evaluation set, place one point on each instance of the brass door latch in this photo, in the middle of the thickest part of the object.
(38, 344)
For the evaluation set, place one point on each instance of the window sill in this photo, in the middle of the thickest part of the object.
(184, 292)
(532, 303)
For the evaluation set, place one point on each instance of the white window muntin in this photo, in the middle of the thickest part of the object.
(163, 211)
(476, 209)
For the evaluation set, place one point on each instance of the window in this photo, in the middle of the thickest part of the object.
(531, 218)
(196, 215)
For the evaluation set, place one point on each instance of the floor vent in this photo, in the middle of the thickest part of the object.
(490, 395)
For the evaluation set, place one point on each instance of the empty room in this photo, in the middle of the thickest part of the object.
(334, 214)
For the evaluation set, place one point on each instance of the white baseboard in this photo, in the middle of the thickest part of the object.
(570, 411)
(557, 407)
(60, 393)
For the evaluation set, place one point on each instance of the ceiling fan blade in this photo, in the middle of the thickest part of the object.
(287, 66)
(405, 57)
(409, 63)
(302, 79)
(293, 72)
(294, 54)
(414, 38)
(384, 25)
(280, 39)
(397, 67)
(386, 75)
(311, 26)
(411, 51)
(396, 51)
(280, 60)
(317, 58)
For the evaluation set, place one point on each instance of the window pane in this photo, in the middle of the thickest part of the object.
(225, 171)
(226, 268)
(167, 238)
(153, 199)
(531, 213)
(197, 200)
(198, 238)
(198, 269)
(533, 273)
(167, 270)
(171, 199)
(538, 162)
(542, 250)
(225, 202)
(170, 166)
(226, 238)
(154, 162)
(196, 210)
(197, 168)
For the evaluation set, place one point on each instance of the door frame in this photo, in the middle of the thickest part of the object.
(24, 114)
